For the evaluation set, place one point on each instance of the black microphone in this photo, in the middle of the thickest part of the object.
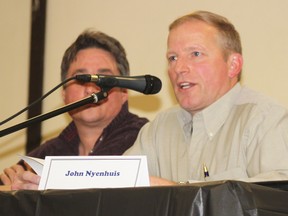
(145, 84)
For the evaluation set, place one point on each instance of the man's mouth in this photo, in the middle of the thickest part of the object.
(185, 85)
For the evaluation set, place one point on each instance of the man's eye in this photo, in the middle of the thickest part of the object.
(172, 58)
(196, 53)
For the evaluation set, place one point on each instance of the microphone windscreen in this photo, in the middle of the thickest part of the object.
(153, 85)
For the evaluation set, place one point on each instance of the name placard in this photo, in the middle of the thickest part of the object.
(79, 172)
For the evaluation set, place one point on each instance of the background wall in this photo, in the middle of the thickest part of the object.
(141, 26)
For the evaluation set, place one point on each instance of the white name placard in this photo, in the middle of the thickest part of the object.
(79, 172)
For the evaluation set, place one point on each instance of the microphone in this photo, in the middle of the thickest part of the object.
(145, 84)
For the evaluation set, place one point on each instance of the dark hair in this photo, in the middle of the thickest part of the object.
(97, 39)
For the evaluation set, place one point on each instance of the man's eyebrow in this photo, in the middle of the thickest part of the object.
(79, 71)
(104, 70)
(84, 71)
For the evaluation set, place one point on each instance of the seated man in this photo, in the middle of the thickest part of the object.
(107, 128)
(220, 128)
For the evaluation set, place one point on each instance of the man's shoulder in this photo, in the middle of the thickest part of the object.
(260, 104)
(132, 118)
(46, 147)
(249, 96)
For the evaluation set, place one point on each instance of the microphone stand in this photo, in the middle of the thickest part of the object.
(93, 98)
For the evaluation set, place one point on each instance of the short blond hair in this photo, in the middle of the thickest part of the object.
(229, 37)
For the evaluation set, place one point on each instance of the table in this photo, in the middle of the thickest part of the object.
(233, 198)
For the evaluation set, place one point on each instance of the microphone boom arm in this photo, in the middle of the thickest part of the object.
(93, 98)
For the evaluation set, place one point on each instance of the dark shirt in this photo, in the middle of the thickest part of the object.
(115, 139)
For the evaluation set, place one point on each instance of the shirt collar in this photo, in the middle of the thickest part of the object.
(185, 120)
(216, 114)
(70, 133)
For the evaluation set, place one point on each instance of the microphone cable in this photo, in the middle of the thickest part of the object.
(37, 101)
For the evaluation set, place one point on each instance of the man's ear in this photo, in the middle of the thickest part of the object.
(235, 63)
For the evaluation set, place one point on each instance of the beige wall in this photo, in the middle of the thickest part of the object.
(141, 26)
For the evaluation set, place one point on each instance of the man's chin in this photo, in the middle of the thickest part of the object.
(84, 109)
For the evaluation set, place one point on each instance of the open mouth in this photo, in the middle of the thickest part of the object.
(185, 85)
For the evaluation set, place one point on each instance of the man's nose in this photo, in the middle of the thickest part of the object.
(91, 88)
(181, 66)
